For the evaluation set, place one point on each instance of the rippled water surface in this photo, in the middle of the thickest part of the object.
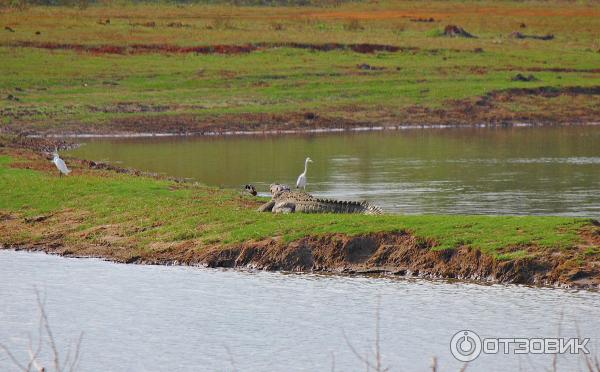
(157, 318)
(482, 171)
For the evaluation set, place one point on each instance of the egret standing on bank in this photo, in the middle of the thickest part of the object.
(302, 178)
(60, 164)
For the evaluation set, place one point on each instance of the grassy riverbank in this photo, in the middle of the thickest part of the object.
(132, 218)
(187, 68)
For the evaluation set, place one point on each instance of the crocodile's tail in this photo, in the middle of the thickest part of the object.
(344, 206)
(371, 209)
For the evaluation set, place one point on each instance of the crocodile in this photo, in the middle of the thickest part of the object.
(288, 201)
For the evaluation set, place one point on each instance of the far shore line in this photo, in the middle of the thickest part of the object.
(325, 130)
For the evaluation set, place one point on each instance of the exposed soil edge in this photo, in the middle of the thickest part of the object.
(398, 254)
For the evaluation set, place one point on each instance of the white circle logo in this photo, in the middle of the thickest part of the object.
(465, 346)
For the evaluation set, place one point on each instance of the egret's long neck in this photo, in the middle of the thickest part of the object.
(305, 166)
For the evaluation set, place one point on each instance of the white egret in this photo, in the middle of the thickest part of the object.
(60, 164)
(302, 178)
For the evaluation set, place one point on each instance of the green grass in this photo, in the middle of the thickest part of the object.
(54, 87)
(66, 86)
(145, 211)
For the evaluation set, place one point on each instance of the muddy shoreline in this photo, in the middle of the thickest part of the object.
(275, 132)
(188, 129)
(391, 254)
(490, 110)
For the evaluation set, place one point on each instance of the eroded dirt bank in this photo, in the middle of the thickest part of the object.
(391, 253)
(399, 253)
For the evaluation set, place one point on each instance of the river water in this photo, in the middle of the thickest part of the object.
(158, 318)
(521, 171)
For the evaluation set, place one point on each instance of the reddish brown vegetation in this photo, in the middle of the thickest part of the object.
(144, 24)
(177, 25)
(204, 49)
(547, 91)
(35, 144)
(423, 20)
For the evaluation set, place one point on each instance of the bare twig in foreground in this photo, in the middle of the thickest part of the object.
(377, 365)
(33, 362)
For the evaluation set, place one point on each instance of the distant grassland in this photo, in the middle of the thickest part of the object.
(432, 78)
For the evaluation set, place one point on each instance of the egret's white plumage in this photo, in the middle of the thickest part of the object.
(302, 178)
(60, 164)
